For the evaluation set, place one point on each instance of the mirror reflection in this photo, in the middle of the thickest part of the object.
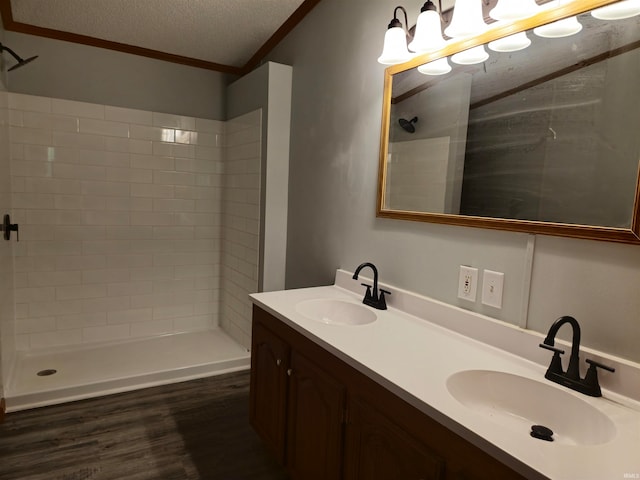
(549, 133)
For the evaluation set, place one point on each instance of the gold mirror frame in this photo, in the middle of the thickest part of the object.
(612, 234)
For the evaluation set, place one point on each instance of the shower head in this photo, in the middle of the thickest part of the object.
(408, 125)
(21, 61)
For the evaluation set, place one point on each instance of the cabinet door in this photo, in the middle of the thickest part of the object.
(377, 449)
(315, 422)
(268, 394)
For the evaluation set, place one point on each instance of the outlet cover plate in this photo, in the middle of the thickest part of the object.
(468, 283)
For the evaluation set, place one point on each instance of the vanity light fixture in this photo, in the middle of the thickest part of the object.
(514, 9)
(618, 11)
(512, 43)
(561, 28)
(467, 20)
(436, 67)
(428, 34)
(471, 56)
(395, 41)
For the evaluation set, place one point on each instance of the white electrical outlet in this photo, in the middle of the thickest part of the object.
(492, 286)
(468, 283)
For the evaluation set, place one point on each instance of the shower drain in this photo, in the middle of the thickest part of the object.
(46, 373)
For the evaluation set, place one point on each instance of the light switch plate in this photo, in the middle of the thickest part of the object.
(492, 286)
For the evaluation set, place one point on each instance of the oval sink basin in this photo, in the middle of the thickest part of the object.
(519, 403)
(336, 312)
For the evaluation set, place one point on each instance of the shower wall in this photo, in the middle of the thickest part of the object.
(7, 344)
(241, 223)
(121, 222)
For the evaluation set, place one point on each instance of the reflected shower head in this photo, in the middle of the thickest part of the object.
(408, 125)
(19, 59)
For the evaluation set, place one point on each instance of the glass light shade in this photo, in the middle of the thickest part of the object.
(395, 47)
(428, 36)
(512, 43)
(514, 9)
(467, 19)
(470, 57)
(437, 67)
(618, 11)
(562, 28)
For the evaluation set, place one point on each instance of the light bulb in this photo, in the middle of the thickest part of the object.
(618, 11)
(512, 43)
(470, 57)
(437, 67)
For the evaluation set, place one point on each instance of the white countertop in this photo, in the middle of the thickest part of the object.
(414, 357)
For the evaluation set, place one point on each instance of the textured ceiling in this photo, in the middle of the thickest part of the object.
(227, 32)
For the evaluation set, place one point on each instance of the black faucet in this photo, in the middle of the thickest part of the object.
(571, 378)
(372, 298)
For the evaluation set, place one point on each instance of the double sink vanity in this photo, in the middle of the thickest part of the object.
(425, 390)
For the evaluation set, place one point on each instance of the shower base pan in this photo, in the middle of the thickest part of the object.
(63, 375)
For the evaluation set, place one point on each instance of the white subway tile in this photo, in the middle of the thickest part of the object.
(105, 247)
(81, 320)
(173, 205)
(173, 232)
(192, 324)
(23, 168)
(156, 134)
(147, 218)
(58, 338)
(130, 232)
(172, 311)
(151, 328)
(130, 260)
(140, 147)
(173, 121)
(74, 292)
(129, 316)
(34, 294)
(128, 115)
(105, 333)
(47, 121)
(80, 262)
(52, 185)
(81, 172)
(58, 307)
(109, 275)
(133, 175)
(78, 140)
(108, 304)
(151, 273)
(104, 127)
(129, 288)
(78, 109)
(152, 162)
(105, 218)
(115, 189)
(152, 191)
(85, 232)
(57, 247)
(29, 103)
(209, 126)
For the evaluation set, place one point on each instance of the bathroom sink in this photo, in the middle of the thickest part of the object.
(519, 403)
(336, 312)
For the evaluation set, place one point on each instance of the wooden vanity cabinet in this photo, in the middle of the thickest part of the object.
(325, 420)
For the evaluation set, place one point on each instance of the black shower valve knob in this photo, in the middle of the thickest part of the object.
(7, 227)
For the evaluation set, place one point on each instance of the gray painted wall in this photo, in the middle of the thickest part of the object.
(89, 74)
(336, 110)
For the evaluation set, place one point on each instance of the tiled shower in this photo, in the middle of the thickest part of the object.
(133, 224)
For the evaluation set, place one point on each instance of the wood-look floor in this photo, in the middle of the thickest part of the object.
(192, 430)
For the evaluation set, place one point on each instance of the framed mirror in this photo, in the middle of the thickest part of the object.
(542, 140)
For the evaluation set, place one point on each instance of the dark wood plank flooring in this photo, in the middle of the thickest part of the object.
(192, 430)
